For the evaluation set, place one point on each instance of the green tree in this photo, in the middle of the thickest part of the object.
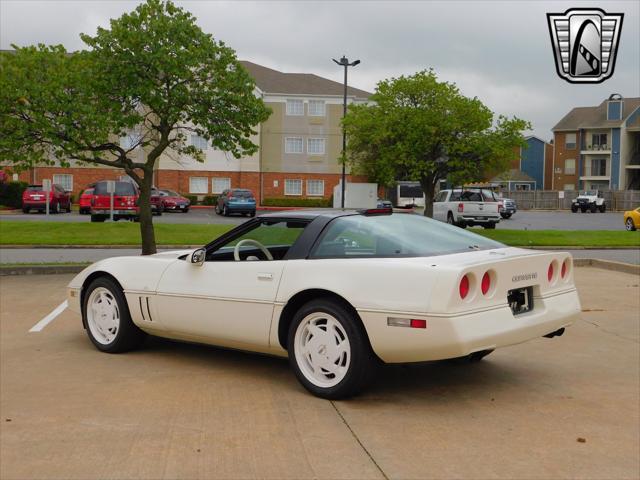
(154, 77)
(424, 130)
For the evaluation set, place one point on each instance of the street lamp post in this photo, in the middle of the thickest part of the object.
(344, 62)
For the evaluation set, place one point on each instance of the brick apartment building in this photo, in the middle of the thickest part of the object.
(300, 146)
(598, 147)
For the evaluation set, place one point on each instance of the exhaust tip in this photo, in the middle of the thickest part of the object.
(557, 333)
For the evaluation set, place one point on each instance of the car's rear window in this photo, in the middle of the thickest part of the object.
(122, 188)
(34, 188)
(242, 193)
(397, 235)
(88, 191)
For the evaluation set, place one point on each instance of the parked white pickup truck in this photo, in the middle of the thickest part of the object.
(467, 207)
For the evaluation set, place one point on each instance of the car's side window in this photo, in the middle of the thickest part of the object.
(275, 236)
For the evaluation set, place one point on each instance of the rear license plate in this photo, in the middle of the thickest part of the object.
(37, 197)
(520, 300)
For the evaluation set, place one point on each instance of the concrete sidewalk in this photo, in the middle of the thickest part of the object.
(566, 407)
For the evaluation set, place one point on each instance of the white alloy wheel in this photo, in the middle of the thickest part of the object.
(322, 349)
(103, 315)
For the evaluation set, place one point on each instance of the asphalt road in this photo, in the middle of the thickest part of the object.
(522, 220)
(70, 255)
(566, 407)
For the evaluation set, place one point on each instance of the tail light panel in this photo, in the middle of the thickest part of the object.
(465, 287)
(460, 207)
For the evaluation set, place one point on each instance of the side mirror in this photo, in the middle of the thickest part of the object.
(198, 257)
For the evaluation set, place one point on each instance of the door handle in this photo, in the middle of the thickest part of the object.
(265, 276)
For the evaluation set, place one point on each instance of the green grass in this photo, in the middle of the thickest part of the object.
(126, 233)
(564, 238)
(117, 233)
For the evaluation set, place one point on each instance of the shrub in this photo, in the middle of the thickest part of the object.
(11, 193)
(210, 200)
(297, 202)
(192, 198)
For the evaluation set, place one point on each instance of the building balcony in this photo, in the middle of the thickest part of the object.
(596, 150)
(595, 177)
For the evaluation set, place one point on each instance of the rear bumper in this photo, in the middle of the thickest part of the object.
(456, 336)
(35, 204)
(116, 211)
(478, 219)
(241, 208)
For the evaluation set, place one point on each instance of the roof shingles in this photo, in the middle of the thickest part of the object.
(273, 81)
(595, 117)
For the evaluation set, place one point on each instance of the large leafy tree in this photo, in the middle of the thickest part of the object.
(418, 128)
(153, 77)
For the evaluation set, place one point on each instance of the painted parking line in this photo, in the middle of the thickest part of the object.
(50, 318)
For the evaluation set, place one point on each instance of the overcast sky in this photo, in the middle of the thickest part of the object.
(498, 51)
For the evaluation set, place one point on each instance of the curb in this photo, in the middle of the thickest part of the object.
(40, 270)
(66, 269)
(607, 265)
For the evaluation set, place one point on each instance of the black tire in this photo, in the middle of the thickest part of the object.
(98, 218)
(603, 208)
(490, 226)
(594, 208)
(629, 225)
(362, 364)
(505, 215)
(450, 220)
(252, 214)
(128, 336)
(55, 208)
(574, 208)
(186, 210)
(25, 209)
(471, 358)
(583, 209)
(217, 209)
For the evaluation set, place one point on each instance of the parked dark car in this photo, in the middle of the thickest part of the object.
(173, 201)
(236, 200)
(35, 198)
(84, 201)
(125, 202)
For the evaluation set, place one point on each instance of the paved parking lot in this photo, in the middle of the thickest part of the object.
(566, 407)
(522, 220)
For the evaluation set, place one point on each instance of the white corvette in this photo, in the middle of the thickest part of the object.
(336, 291)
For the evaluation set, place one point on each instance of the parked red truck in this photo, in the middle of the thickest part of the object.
(125, 202)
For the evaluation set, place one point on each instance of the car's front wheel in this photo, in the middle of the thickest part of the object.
(629, 225)
(106, 317)
(603, 208)
(574, 208)
(329, 350)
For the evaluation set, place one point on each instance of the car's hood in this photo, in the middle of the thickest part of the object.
(173, 253)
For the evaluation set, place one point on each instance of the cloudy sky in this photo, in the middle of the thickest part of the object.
(498, 51)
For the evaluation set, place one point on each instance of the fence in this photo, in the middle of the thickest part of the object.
(550, 200)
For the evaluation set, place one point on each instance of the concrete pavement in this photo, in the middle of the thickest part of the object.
(566, 407)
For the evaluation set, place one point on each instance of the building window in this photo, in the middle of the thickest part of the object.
(292, 187)
(570, 166)
(570, 141)
(316, 108)
(569, 187)
(599, 141)
(198, 185)
(599, 167)
(218, 185)
(293, 145)
(64, 180)
(315, 188)
(295, 107)
(315, 146)
(199, 142)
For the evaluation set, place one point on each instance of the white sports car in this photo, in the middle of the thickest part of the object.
(337, 291)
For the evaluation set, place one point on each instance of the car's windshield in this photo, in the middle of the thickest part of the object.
(589, 193)
(395, 235)
(170, 193)
(122, 188)
(242, 193)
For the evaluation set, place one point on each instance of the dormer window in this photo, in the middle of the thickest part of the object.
(614, 107)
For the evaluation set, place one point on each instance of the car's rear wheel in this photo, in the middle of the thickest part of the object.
(252, 214)
(25, 210)
(329, 351)
(603, 208)
(55, 207)
(106, 317)
(98, 218)
(629, 225)
(490, 225)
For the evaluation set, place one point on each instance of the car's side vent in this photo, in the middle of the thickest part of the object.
(145, 308)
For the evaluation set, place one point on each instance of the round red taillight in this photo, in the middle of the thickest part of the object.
(486, 283)
(550, 272)
(464, 287)
(563, 270)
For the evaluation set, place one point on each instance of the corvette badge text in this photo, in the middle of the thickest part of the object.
(524, 276)
(585, 43)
